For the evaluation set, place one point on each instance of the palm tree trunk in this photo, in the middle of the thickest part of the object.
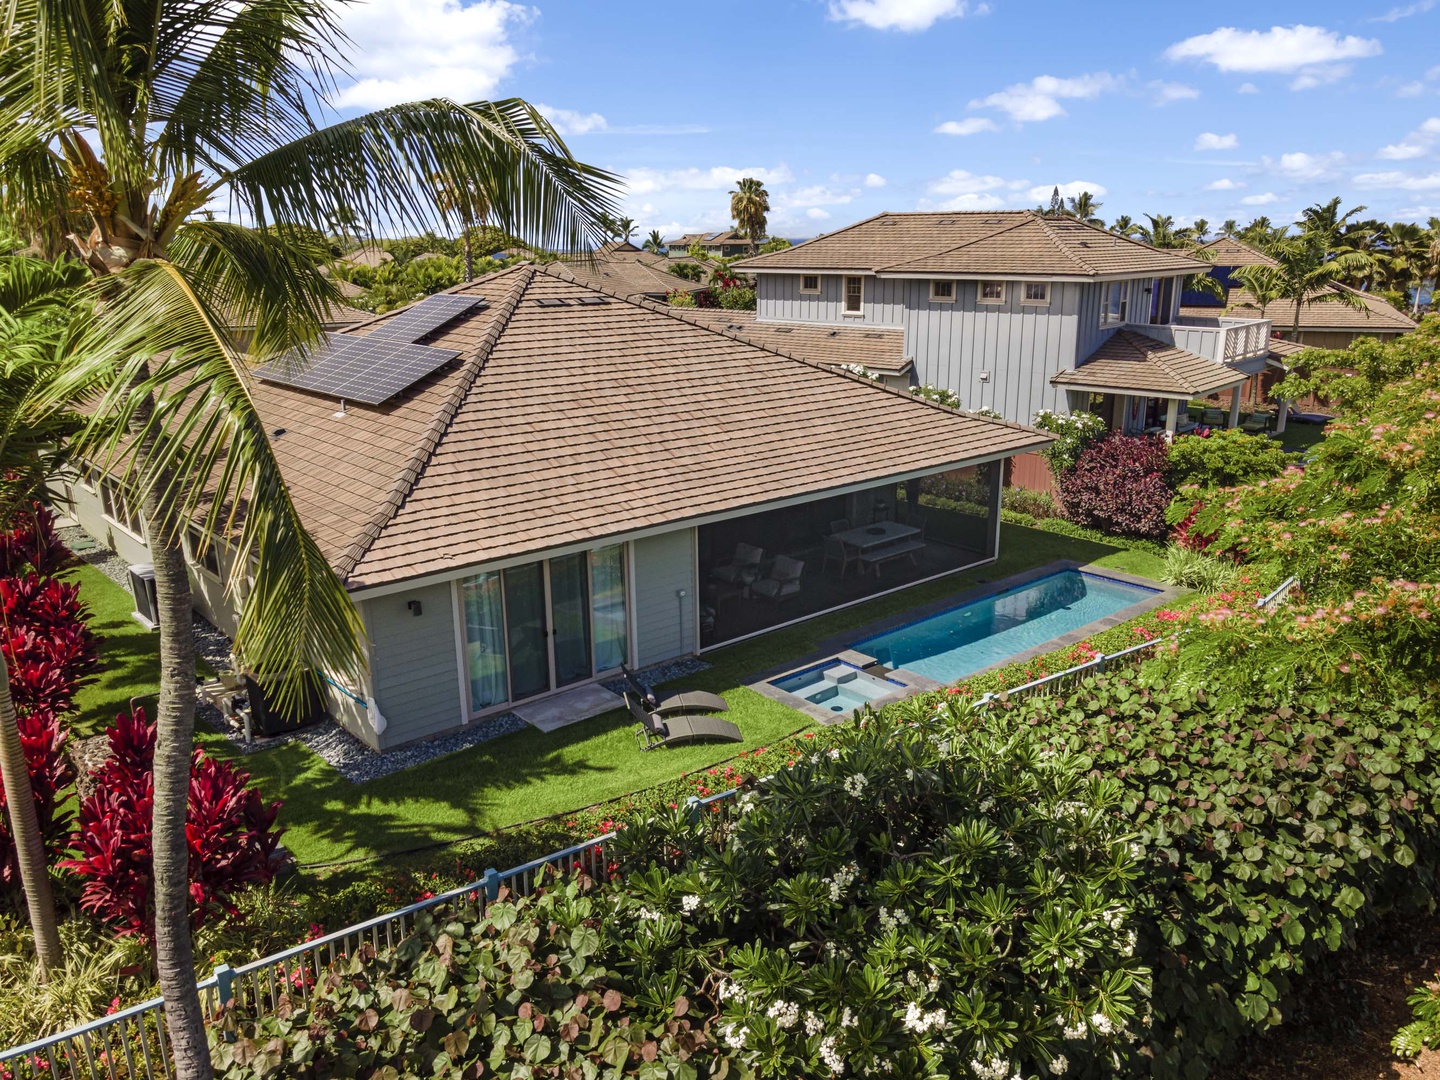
(469, 256)
(25, 828)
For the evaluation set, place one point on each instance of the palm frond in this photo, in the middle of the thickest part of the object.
(386, 167)
(34, 428)
(30, 286)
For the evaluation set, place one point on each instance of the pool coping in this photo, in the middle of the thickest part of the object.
(840, 646)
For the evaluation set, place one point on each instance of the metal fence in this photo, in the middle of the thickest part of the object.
(132, 1043)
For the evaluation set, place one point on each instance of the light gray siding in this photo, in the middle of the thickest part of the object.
(779, 299)
(665, 622)
(415, 680)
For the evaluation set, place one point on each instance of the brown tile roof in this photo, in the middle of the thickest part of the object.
(570, 423)
(1376, 314)
(1231, 252)
(1280, 349)
(880, 350)
(1130, 362)
(629, 273)
(1002, 242)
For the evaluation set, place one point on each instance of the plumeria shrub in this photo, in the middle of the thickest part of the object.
(1119, 485)
(921, 900)
(1074, 434)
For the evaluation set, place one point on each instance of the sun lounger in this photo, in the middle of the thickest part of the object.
(685, 701)
(658, 730)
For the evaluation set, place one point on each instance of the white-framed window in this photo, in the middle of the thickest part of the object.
(204, 551)
(990, 292)
(87, 476)
(1035, 292)
(1115, 302)
(120, 507)
(854, 296)
(810, 283)
(942, 292)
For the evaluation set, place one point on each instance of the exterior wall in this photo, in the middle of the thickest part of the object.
(1332, 339)
(665, 623)
(413, 663)
(779, 299)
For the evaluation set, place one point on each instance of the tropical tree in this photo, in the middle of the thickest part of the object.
(1262, 233)
(1230, 227)
(1201, 229)
(749, 206)
(1162, 233)
(624, 228)
(1306, 273)
(655, 243)
(470, 207)
(119, 125)
(1325, 221)
(1084, 208)
(1123, 225)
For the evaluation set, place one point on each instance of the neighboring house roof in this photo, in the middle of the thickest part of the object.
(1376, 315)
(1019, 243)
(570, 423)
(629, 271)
(368, 255)
(713, 239)
(1231, 252)
(338, 315)
(882, 350)
(1129, 362)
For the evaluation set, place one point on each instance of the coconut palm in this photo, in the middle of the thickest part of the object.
(625, 229)
(655, 243)
(749, 205)
(119, 125)
(1201, 229)
(1325, 220)
(471, 208)
(1084, 208)
(1123, 225)
(1306, 273)
(1162, 233)
(1230, 227)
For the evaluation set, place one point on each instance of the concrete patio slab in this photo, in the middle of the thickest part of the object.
(569, 707)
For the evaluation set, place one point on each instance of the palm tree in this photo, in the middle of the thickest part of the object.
(625, 229)
(1123, 225)
(1085, 208)
(1230, 227)
(655, 243)
(1306, 274)
(1201, 229)
(749, 205)
(1162, 233)
(1262, 282)
(120, 123)
(470, 207)
(1325, 220)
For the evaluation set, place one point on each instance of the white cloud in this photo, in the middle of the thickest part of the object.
(1223, 184)
(817, 214)
(1410, 89)
(971, 125)
(1395, 14)
(1258, 200)
(815, 195)
(874, 180)
(960, 182)
(405, 50)
(1313, 54)
(907, 15)
(1400, 152)
(1417, 144)
(1402, 181)
(1163, 93)
(1208, 140)
(1042, 192)
(570, 122)
(1040, 98)
(1301, 166)
(643, 180)
(1247, 88)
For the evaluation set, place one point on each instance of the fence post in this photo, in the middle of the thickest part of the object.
(225, 994)
(692, 808)
(1100, 658)
(492, 884)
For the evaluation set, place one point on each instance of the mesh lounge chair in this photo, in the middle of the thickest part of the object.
(1213, 418)
(837, 551)
(784, 580)
(1256, 422)
(656, 730)
(743, 568)
(685, 701)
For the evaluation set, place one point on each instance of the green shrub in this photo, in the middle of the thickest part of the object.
(735, 297)
(680, 298)
(1074, 432)
(937, 394)
(1196, 570)
(1422, 1033)
(1038, 504)
(1224, 459)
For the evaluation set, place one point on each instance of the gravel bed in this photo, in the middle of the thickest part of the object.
(661, 673)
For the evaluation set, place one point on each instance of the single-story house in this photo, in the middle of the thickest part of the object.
(550, 479)
(622, 268)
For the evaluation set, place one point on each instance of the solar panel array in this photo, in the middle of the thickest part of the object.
(369, 370)
(373, 368)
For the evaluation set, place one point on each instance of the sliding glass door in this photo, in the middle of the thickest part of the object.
(537, 627)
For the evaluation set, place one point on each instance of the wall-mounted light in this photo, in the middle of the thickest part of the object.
(414, 606)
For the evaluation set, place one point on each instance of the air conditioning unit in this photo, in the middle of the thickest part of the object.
(142, 588)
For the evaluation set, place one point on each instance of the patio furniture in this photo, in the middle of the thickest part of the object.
(656, 730)
(836, 551)
(1212, 417)
(905, 549)
(783, 582)
(685, 701)
(1256, 423)
(865, 538)
(743, 568)
(839, 525)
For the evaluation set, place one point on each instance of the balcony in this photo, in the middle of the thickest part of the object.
(1242, 343)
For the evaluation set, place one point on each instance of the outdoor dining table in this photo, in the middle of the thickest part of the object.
(865, 538)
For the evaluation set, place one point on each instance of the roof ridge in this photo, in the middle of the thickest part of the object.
(827, 236)
(439, 424)
(1001, 231)
(1045, 223)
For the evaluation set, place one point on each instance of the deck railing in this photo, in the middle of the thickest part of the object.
(132, 1044)
(1220, 338)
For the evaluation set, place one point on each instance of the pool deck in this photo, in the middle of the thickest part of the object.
(840, 646)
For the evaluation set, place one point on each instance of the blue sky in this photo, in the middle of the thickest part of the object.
(849, 107)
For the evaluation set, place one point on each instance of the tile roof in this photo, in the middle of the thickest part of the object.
(569, 423)
(1130, 362)
(880, 350)
(629, 271)
(1018, 242)
(1376, 314)
(1231, 252)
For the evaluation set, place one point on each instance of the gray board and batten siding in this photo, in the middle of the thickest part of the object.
(414, 666)
(666, 625)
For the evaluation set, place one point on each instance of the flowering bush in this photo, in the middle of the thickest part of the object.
(51, 773)
(1074, 432)
(938, 394)
(230, 829)
(1118, 485)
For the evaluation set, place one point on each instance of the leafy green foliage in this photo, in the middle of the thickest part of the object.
(1197, 570)
(938, 394)
(1224, 459)
(1353, 378)
(1074, 433)
(1424, 1031)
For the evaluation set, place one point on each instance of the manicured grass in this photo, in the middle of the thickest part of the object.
(1297, 436)
(531, 775)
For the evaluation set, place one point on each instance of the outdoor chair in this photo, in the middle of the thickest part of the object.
(783, 582)
(655, 730)
(685, 701)
(1213, 418)
(839, 525)
(838, 552)
(1256, 423)
(743, 568)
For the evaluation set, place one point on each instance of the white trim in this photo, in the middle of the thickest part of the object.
(632, 644)
(1115, 391)
(810, 292)
(938, 299)
(845, 311)
(1027, 301)
(981, 298)
(196, 560)
(457, 608)
(406, 584)
(124, 527)
(923, 275)
(694, 587)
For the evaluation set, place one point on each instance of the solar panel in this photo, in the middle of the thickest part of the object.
(552, 301)
(370, 370)
(593, 300)
(426, 317)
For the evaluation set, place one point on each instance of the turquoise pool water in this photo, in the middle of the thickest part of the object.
(837, 686)
(964, 640)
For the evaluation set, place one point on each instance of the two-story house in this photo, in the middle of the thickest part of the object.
(1016, 312)
(719, 245)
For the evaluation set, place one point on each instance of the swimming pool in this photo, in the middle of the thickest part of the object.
(959, 642)
(837, 686)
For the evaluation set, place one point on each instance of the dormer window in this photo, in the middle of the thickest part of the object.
(942, 292)
(1036, 292)
(810, 283)
(991, 292)
(854, 296)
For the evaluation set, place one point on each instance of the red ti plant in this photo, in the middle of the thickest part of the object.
(51, 773)
(30, 541)
(50, 649)
(231, 832)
